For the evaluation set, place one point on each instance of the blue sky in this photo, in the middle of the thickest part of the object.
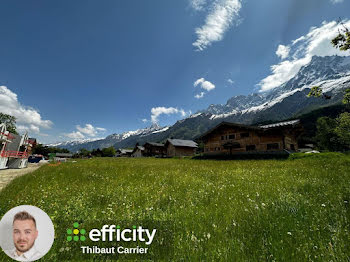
(85, 69)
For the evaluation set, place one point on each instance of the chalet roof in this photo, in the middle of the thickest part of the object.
(183, 143)
(154, 144)
(280, 124)
(141, 148)
(64, 155)
(126, 151)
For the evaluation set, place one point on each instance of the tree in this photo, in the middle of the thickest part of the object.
(334, 134)
(315, 91)
(84, 152)
(45, 150)
(9, 121)
(342, 40)
(326, 137)
(343, 129)
(108, 151)
(346, 98)
(96, 152)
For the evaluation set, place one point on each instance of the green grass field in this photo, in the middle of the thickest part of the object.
(249, 210)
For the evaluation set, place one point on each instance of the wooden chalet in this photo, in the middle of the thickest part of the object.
(231, 138)
(179, 147)
(154, 149)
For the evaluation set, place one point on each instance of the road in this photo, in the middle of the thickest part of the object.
(7, 175)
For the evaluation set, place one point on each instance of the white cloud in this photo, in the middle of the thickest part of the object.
(157, 111)
(315, 43)
(198, 5)
(90, 130)
(337, 1)
(87, 131)
(27, 118)
(283, 51)
(144, 120)
(75, 135)
(198, 96)
(206, 85)
(230, 81)
(222, 15)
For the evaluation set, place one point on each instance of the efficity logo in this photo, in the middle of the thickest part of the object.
(112, 233)
(76, 234)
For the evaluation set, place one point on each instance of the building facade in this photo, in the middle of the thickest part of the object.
(231, 138)
(179, 147)
(154, 149)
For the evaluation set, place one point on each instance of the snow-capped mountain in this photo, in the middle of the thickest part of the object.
(73, 142)
(109, 140)
(331, 73)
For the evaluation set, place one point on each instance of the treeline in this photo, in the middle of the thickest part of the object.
(105, 152)
(328, 128)
(45, 150)
(333, 134)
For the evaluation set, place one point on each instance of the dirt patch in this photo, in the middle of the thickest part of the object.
(7, 175)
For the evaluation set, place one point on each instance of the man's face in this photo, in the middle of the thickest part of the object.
(24, 234)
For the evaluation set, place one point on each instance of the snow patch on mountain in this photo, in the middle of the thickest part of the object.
(162, 130)
(74, 142)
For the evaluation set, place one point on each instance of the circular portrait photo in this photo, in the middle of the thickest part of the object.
(26, 233)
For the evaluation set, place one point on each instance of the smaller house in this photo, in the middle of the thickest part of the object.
(124, 152)
(138, 151)
(179, 147)
(62, 157)
(154, 149)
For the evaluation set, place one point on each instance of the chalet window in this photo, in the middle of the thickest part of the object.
(232, 136)
(250, 147)
(236, 145)
(243, 135)
(272, 146)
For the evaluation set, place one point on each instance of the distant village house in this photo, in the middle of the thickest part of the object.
(124, 152)
(138, 151)
(154, 149)
(179, 147)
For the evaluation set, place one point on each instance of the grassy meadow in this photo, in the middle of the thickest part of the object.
(245, 210)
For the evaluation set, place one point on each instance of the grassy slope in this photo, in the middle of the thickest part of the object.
(291, 210)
